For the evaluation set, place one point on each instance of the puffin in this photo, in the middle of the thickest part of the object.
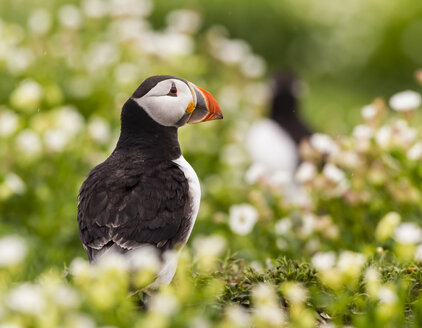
(273, 142)
(145, 194)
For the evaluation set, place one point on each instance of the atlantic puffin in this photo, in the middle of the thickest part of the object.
(145, 193)
(273, 142)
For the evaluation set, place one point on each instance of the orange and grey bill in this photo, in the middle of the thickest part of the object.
(214, 111)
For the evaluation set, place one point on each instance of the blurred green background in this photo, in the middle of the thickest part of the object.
(347, 52)
(66, 68)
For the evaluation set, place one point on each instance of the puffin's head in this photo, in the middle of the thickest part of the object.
(172, 101)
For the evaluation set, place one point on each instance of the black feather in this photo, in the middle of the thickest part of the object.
(138, 195)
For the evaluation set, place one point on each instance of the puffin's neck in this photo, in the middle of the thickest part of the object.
(285, 112)
(143, 137)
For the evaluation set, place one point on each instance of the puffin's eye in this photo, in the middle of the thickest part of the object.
(173, 90)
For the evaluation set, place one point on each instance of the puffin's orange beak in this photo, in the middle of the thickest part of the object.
(206, 108)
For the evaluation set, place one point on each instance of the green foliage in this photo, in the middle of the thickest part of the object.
(345, 251)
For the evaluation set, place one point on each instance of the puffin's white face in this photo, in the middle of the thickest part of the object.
(168, 102)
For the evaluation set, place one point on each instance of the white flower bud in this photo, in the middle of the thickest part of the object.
(242, 218)
(405, 101)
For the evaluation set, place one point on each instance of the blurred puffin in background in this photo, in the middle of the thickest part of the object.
(146, 195)
(273, 143)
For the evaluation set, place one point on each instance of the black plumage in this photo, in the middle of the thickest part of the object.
(138, 195)
(145, 193)
(285, 108)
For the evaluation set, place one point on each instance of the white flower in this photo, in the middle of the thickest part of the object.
(283, 226)
(271, 315)
(386, 295)
(255, 172)
(387, 225)
(405, 101)
(112, 261)
(99, 130)
(126, 73)
(350, 261)
(12, 250)
(242, 218)
(80, 267)
(415, 152)
(237, 315)
(232, 51)
(403, 133)
(8, 122)
(263, 293)
(66, 297)
(101, 55)
(349, 159)
(70, 17)
(15, 183)
(281, 178)
(165, 304)
(372, 275)
(369, 112)
(363, 132)
(58, 137)
(27, 95)
(66, 114)
(308, 224)
(418, 253)
(408, 233)
(132, 29)
(323, 143)
(295, 292)
(266, 306)
(253, 66)
(168, 44)
(372, 281)
(306, 172)
(26, 298)
(137, 8)
(55, 139)
(383, 136)
(324, 260)
(333, 173)
(330, 325)
(19, 60)
(198, 322)
(28, 142)
(257, 266)
(10, 325)
(39, 21)
(183, 21)
(209, 246)
(82, 321)
(144, 258)
(95, 8)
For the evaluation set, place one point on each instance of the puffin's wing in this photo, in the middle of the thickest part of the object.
(133, 208)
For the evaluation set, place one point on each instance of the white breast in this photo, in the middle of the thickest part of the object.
(272, 147)
(169, 266)
(194, 188)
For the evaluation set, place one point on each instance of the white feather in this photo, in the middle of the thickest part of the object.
(194, 188)
(162, 108)
(169, 266)
(269, 145)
